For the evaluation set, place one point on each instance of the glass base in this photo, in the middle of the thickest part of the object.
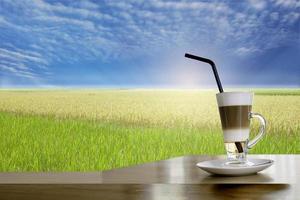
(240, 164)
(236, 153)
(236, 163)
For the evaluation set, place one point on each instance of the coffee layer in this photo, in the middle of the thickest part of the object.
(235, 135)
(234, 98)
(235, 117)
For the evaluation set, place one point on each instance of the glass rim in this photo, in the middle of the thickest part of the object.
(235, 92)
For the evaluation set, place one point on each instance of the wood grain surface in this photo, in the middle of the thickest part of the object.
(176, 178)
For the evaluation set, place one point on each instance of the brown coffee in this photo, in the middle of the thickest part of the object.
(235, 117)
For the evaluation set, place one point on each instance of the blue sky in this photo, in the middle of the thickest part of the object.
(142, 43)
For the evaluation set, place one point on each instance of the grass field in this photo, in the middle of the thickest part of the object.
(88, 130)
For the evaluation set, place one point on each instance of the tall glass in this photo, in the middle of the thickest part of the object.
(235, 110)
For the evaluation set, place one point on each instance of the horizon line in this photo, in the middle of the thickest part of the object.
(115, 87)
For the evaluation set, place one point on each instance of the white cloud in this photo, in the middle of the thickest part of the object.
(290, 17)
(62, 9)
(4, 23)
(189, 5)
(86, 4)
(62, 32)
(120, 4)
(18, 62)
(27, 57)
(148, 15)
(16, 65)
(258, 4)
(274, 16)
(287, 3)
(17, 72)
(86, 24)
(242, 51)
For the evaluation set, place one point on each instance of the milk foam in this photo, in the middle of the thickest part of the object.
(234, 98)
(235, 135)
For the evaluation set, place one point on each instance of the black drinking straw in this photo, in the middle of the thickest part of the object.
(214, 68)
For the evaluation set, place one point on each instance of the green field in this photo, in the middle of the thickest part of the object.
(89, 130)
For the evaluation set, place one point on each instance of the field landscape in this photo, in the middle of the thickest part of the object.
(91, 130)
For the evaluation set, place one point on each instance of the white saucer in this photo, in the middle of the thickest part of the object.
(219, 167)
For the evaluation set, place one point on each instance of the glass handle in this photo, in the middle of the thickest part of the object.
(262, 129)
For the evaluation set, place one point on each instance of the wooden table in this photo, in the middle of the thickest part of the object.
(176, 178)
